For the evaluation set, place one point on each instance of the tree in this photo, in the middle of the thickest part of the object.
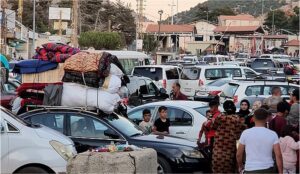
(294, 21)
(149, 43)
(280, 19)
(101, 40)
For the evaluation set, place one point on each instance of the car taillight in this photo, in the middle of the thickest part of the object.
(164, 83)
(214, 93)
(235, 99)
(200, 83)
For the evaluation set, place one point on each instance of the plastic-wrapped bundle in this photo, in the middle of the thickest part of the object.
(76, 95)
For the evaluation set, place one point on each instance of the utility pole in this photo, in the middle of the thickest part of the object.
(3, 27)
(33, 28)
(60, 24)
(172, 12)
(74, 39)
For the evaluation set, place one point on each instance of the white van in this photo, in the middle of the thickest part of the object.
(28, 148)
(215, 59)
(164, 75)
(128, 59)
(193, 77)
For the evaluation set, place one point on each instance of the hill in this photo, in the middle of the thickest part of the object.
(226, 7)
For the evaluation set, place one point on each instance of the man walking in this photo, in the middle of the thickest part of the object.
(259, 143)
(177, 95)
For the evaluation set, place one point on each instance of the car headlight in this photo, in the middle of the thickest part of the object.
(65, 151)
(192, 153)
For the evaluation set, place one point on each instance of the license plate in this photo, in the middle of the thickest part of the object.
(187, 89)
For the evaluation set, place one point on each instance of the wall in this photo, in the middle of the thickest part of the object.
(205, 29)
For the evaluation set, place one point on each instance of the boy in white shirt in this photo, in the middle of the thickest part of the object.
(146, 125)
(259, 143)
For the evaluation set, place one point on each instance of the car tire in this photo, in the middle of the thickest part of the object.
(32, 170)
(163, 166)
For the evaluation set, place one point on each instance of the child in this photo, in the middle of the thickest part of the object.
(288, 148)
(205, 129)
(146, 125)
(162, 124)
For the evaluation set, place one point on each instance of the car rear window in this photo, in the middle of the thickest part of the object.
(172, 73)
(229, 90)
(295, 61)
(210, 59)
(211, 74)
(262, 63)
(202, 110)
(150, 72)
(190, 73)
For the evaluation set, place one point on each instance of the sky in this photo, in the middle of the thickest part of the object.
(153, 6)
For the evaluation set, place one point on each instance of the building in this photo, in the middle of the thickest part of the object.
(242, 20)
(292, 47)
(172, 37)
(205, 41)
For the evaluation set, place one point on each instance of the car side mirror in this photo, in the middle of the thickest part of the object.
(162, 91)
(111, 133)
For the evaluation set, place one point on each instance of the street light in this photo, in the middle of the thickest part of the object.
(160, 12)
(33, 27)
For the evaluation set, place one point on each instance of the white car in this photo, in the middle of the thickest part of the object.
(215, 59)
(186, 117)
(28, 148)
(210, 90)
(237, 90)
(164, 75)
(193, 77)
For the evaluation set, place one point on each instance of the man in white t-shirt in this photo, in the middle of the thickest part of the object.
(259, 143)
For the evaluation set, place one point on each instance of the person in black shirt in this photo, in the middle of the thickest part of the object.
(162, 124)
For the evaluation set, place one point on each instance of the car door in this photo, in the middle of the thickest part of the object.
(4, 146)
(181, 122)
(88, 132)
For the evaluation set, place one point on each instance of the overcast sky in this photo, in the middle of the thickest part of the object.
(152, 7)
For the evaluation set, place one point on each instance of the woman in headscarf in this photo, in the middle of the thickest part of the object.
(228, 130)
(244, 109)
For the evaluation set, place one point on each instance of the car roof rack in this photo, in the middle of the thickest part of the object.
(45, 107)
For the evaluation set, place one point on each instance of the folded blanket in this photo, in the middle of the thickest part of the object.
(83, 62)
(89, 78)
(33, 66)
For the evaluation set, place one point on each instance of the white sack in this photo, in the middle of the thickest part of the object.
(114, 70)
(76, 95)
(112, 84)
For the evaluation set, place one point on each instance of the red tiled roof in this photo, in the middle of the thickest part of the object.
(151, 28)
(293, 42)
(237, 17)
(236, 28)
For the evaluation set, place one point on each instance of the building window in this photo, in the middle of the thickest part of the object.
(199, 38)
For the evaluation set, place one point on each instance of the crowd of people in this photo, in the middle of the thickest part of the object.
(263, 140)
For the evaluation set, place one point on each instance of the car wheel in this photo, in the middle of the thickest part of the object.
(163, 166)
(32, 170)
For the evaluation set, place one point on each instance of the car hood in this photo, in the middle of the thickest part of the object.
(50, 134)
(166, 140)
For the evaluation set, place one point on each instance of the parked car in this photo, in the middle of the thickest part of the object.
(237, 90)
(193, 77)
(143, 90)
(215, 59)
(8, 92)
(190, 59)
(275, 56)
(265, 65)
(211, 90)
(30, 148)
(165, 75)
(90, 130)
(186, 117)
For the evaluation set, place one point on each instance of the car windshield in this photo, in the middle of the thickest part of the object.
(190, 73)
(150, 72)
(124, 125)
(24, 122)
(229, 90)
(262, 63)
(219, 82)
(202, 110)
